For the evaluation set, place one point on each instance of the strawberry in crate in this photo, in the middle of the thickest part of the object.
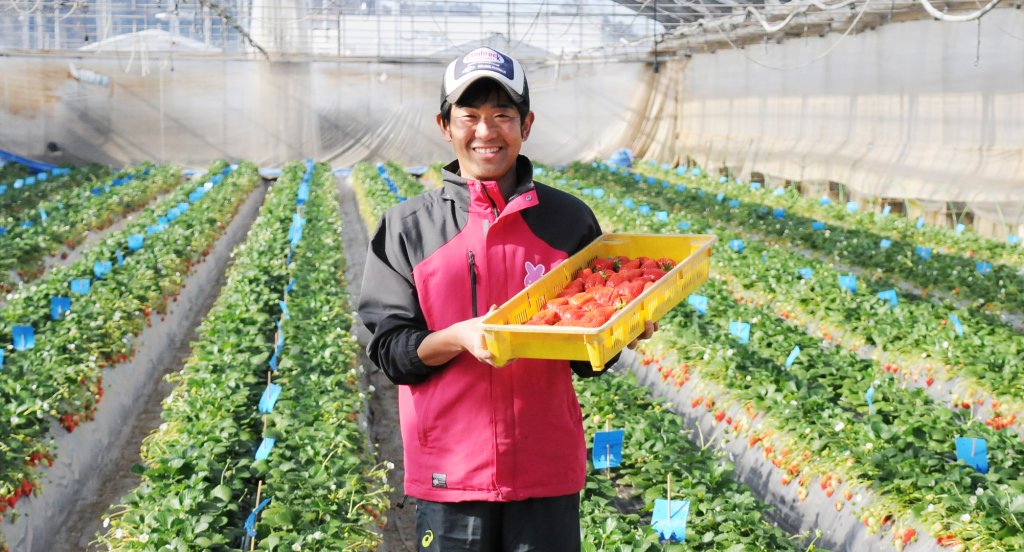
(600, 290)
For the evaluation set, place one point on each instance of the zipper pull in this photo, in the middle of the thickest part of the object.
(472, 280)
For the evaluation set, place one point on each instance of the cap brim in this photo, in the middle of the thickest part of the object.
(454, 96)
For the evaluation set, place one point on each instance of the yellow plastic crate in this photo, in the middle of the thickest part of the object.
(509, 338)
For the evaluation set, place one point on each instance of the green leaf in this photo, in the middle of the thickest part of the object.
(222, 492)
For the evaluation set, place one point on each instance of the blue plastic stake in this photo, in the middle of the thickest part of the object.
(607, 451)
(1, 359)
(736, 245)
(741, 330)
(779, 213)
(80, 286)
(720, 196)
(661, 216)
(924, 253)
(101, 268)
(849, 282)
(734, 203)
(792, 356)
(135, 241)
(886, 210)
(959, 229)
(805, 273)
(269, 398)
(58, 306)
(852, 206)
(870, 396)
(250, 522)
(890, 296)
(885, 244)
(24, 338)
(825, 201)
(817, 225)
(265, 447)
(1013, 239)
(644, 209)
(973, 452)
(957, 325)
(983, 267)
(698, 302)
(683, 225)
(920, 223)
(669, 519)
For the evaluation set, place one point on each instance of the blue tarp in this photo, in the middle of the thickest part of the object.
(8, 156)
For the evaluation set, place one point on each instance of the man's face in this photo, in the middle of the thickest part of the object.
(486, 138)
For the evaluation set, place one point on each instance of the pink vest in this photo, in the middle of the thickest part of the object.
(473, 432)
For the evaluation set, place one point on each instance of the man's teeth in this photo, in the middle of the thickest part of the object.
(487, 150)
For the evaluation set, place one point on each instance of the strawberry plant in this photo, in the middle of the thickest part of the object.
(1001, 289)
(373, 193)
(60, 379)
(963, 242)
(200, 476)
(615, 506)
(819, 403)
(65, 218)
(915, 334)
(16, 200)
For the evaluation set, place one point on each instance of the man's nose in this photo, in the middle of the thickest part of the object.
(485, 128)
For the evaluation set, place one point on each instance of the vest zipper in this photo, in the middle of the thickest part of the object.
(472, 280)
(494, 205)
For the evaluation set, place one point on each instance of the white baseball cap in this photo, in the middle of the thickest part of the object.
(484, 63)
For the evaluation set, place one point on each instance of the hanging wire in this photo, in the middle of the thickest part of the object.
(809, 62)
(30, 11)
(928, 7)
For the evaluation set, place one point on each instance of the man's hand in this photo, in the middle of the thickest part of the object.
(444, 345)
(649, 329)
(471, 338)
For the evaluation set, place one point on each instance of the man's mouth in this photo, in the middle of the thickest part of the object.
(487, 150)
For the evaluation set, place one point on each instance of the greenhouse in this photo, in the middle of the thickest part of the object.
(608, 275)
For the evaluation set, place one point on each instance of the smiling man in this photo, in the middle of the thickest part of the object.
(495, 456)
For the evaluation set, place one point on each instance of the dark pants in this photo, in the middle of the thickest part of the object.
(536, 524)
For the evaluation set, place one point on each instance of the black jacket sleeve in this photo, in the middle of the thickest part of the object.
(389, 308)
(584, 369)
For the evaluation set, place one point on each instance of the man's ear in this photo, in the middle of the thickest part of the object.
(445, 131)
(527, 124)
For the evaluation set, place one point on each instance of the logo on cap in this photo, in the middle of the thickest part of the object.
(484, 59)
